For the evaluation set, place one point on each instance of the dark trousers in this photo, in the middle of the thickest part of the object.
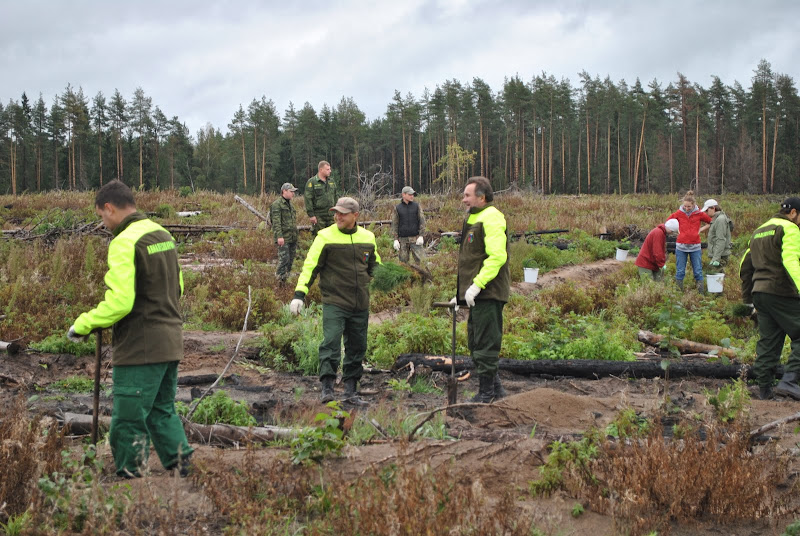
(286, 254)
(778, 316)
(324, 219)
(144, 409)
(485, 335)
(338, 324)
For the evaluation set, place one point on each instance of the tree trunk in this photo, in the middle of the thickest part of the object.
(244, 161)
(588, 157)
(639, 154)
(697, 155)
(774, 149)
(764, 146)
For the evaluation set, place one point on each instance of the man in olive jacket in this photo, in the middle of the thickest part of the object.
(145, 284)
(484, 283)
(284, 227)
(344, 256)
(320, 196)
(770, 273)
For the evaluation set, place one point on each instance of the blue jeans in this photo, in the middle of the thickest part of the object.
(695, 257)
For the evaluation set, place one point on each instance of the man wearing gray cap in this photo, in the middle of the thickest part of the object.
(770, 272)
(344, 256)
(284, 227)
(408, 226)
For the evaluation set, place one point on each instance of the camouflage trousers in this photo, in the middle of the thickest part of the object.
(286, 254)
(408, 244)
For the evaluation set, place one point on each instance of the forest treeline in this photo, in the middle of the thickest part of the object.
(541, 134)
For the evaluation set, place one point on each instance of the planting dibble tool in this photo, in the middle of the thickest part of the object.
(98, 351)
(452, 383)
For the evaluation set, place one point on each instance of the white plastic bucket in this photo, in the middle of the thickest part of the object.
(622, 254)
(531, 274)
(714, 282)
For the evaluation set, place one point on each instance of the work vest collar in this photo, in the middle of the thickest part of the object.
(476, 210)
(136, 216)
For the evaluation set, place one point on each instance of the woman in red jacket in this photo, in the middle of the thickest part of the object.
(687, 245)
(653, 255)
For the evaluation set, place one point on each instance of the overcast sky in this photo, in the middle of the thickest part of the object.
(201, 59)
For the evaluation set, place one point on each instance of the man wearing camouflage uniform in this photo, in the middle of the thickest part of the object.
(284, 227)
(320, 197)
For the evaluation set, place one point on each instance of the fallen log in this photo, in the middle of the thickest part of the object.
(685, 346)
(202, 378)
(11, 348)
(212, 434)
(229, 435)
(588, 368)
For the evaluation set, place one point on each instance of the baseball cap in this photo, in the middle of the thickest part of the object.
(409, 190)
(346, 205)
(791, 202)
(672, 225)
(288, 186)
(709, 203)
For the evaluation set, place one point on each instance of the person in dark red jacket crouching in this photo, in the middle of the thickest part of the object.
(653, 255)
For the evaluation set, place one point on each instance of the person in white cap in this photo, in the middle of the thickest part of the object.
(344, 256)
(652, 258)
(284, 228)
(408, 226)
(719, 234)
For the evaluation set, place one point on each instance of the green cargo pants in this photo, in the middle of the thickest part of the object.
(485, 335)
(324, 219)
(338, 324)
(144, 409)
(778, 316)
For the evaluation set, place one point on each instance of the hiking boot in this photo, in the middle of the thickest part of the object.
(184, 466)
(765, 392)
(485, 390)
(327, 390)
(788, 386)
(700, 287)
(351, 393)
(499, 390)
(679, 283)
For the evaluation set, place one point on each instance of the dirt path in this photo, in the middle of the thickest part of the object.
(582, 275)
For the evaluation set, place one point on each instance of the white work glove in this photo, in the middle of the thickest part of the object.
(454, 304)
(420, 240)
(74, 337)
(471, 293)
(295, 306)
(397, 245)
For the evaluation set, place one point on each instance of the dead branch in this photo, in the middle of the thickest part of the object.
(251, 208)
(196, 403)
(684, 345)
(497, 405)
(774, 424)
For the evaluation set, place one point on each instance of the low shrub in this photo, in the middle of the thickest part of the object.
(413, 333)
(292, 343)
(221, 408)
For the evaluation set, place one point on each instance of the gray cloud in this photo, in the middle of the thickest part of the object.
(200, 60)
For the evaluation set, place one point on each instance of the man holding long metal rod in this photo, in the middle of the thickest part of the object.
(484, 283)
(145, 284)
